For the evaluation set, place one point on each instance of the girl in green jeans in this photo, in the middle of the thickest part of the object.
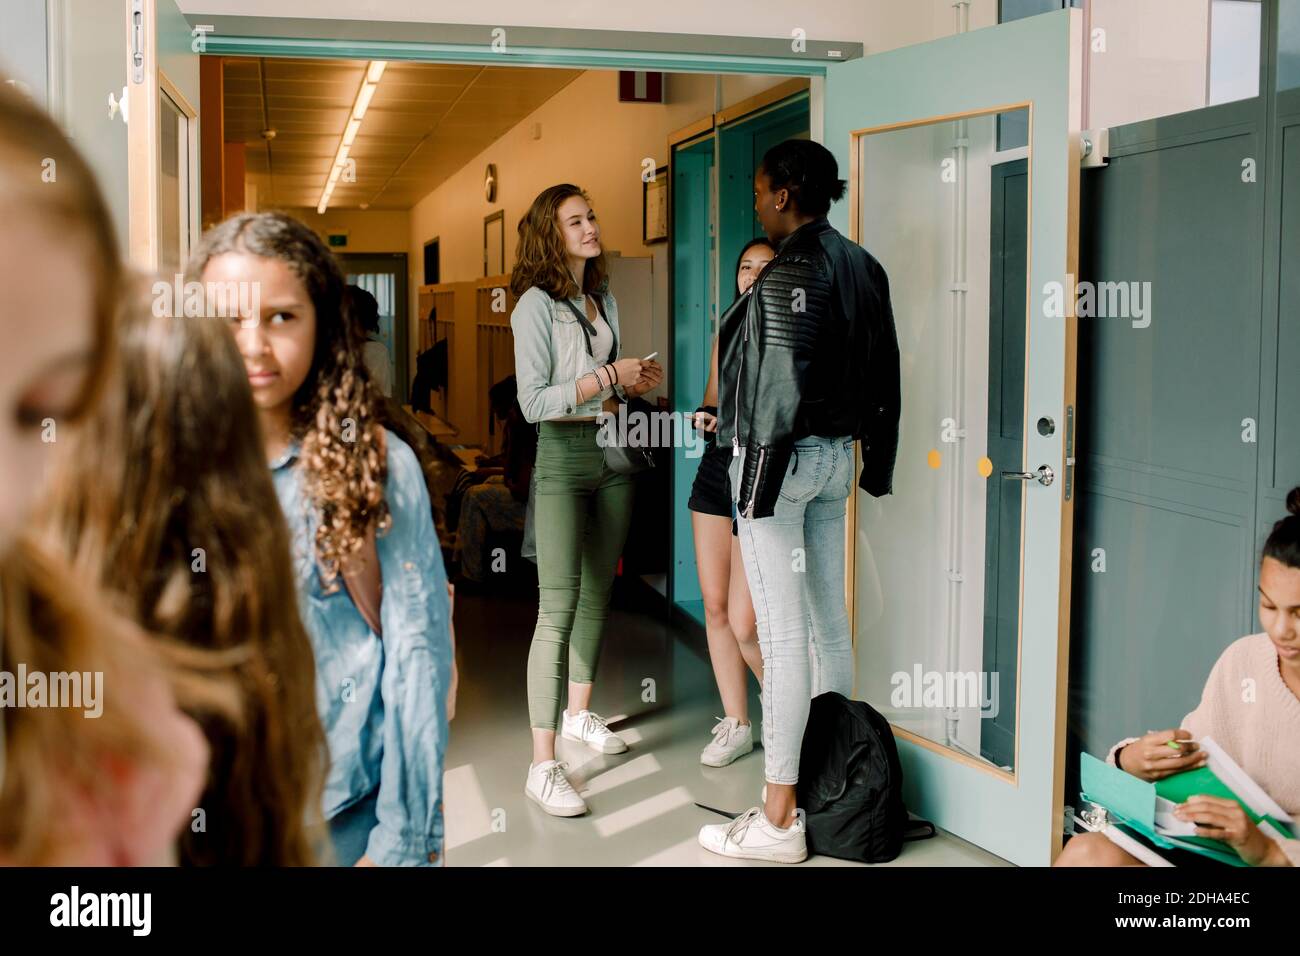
(566, 362)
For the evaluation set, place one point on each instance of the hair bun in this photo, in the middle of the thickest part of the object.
(1293, 501)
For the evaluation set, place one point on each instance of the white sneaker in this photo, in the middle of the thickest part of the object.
(589, 728)
(731, 740)
(549, 788)
(751, 836)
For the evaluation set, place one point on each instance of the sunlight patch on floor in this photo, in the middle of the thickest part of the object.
(645, 810)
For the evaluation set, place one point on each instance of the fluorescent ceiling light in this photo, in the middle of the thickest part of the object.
(365, 94)
(363, 100)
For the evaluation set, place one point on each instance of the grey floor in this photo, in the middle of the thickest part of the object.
(656, 689)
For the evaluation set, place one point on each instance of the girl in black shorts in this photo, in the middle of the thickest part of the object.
(728, 610)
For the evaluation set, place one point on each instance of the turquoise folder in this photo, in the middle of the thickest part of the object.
(1132, 803)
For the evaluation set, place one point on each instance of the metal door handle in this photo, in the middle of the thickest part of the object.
(1044, 475)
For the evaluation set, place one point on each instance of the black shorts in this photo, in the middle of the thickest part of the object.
(711, 492)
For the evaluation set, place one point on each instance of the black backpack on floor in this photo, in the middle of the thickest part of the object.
(851, 783)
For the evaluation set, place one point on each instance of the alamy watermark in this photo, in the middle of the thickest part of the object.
(660, 429)
(1100, 300)
(216, 300)
(81, 690)
(948, 690)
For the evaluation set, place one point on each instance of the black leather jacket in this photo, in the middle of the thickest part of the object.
(811, 350)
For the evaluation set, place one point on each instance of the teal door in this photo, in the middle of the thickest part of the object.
(971, 515)
(694, 311)
(741, 145)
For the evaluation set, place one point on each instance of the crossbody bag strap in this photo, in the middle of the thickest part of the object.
(588, 330)
(600, 307)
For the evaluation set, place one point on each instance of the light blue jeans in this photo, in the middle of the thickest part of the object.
(794, 562)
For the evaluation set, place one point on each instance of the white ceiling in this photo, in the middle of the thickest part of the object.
(853, 20)
(425, 122)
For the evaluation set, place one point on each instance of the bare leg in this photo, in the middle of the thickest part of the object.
(1094, 849)
(713, 558)
(579, 697)
(780, 805)
(543, 745)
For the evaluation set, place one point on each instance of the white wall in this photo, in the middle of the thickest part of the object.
(878, 24)
(1155, 62)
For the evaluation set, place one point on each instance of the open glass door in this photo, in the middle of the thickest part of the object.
(126, 85)
(959, 581)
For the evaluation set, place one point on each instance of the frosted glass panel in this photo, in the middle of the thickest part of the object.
(938, 562)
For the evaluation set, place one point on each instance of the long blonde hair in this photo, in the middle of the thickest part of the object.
(50, 621)
(171, 462)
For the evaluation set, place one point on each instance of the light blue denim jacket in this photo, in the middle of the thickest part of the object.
(551, 355)
(383, 703)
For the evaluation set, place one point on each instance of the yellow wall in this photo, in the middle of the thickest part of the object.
(371, 230)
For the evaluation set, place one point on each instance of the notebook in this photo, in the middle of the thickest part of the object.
(1148, 807)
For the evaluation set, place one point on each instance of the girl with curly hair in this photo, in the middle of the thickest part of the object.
(568, 367)
(371, 584)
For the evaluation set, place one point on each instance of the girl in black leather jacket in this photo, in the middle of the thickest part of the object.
(809, 366)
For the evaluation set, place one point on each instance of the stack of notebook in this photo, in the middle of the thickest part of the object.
(1147, 808)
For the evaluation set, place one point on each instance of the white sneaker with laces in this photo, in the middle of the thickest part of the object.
(589, 728)
(731, 740)
(549, 788)
(751, 836)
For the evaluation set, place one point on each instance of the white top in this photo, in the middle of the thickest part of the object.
(602, 342)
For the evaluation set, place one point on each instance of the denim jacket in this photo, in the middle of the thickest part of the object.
(383, 703)
(551, 353)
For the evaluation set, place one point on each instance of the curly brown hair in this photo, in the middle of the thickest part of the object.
(540, 256)
(334, 411)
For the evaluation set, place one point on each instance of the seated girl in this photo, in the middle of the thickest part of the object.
(1260, 730)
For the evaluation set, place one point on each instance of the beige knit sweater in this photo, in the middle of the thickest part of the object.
(1251, 713)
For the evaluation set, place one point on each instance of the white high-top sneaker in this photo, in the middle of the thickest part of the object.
(549, 788)
(589, 728)
(731, 740)
(751, 836)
